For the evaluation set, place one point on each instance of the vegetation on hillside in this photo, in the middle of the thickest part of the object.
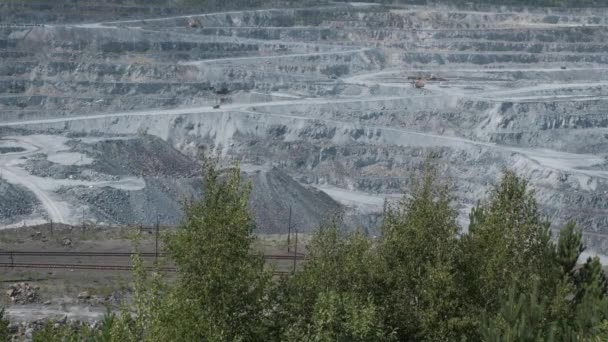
(505, 279)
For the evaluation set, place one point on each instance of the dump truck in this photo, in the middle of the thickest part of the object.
(194, 23)
(217, 104)
(419, 83)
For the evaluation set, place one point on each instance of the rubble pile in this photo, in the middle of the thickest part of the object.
(87, 298)
(23, 293)
(25, 330)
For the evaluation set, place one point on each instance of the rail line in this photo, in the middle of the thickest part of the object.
(98, 267)
(12, 255)
(298, 256)
(82, 266)
(69, 254)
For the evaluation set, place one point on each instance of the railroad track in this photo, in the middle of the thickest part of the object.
(97, 267)
(11, 260)
(79, 254)
(298, 256)
(80, 266)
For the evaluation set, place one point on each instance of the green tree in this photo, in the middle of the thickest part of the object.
(569, 247)
(329, 298)
(4, 323)
(221, 289)
(143, 320)
(62, 333)
(568, 250)
(521, 317)
(590, 298)
(418, 251)
(528, 316)
(581, 294)
(345, 317)
(508, 244)
(547, 298)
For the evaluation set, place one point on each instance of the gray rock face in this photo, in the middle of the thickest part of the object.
(17, 202)
(274, 193)
(313, 97)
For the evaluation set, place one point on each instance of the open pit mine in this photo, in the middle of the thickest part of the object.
(105, 110)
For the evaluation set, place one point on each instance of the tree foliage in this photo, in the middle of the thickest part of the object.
(507, 245)
(4, 323)
(417, 259)
(329, 299)
(503, 279)
(222, 283)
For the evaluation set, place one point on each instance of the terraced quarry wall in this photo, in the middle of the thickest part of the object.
(309, 98)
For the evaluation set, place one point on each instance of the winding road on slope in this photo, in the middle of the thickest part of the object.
(563, 161)
(546, 158)
(11, 175)
(59, 211)
(43, 188)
